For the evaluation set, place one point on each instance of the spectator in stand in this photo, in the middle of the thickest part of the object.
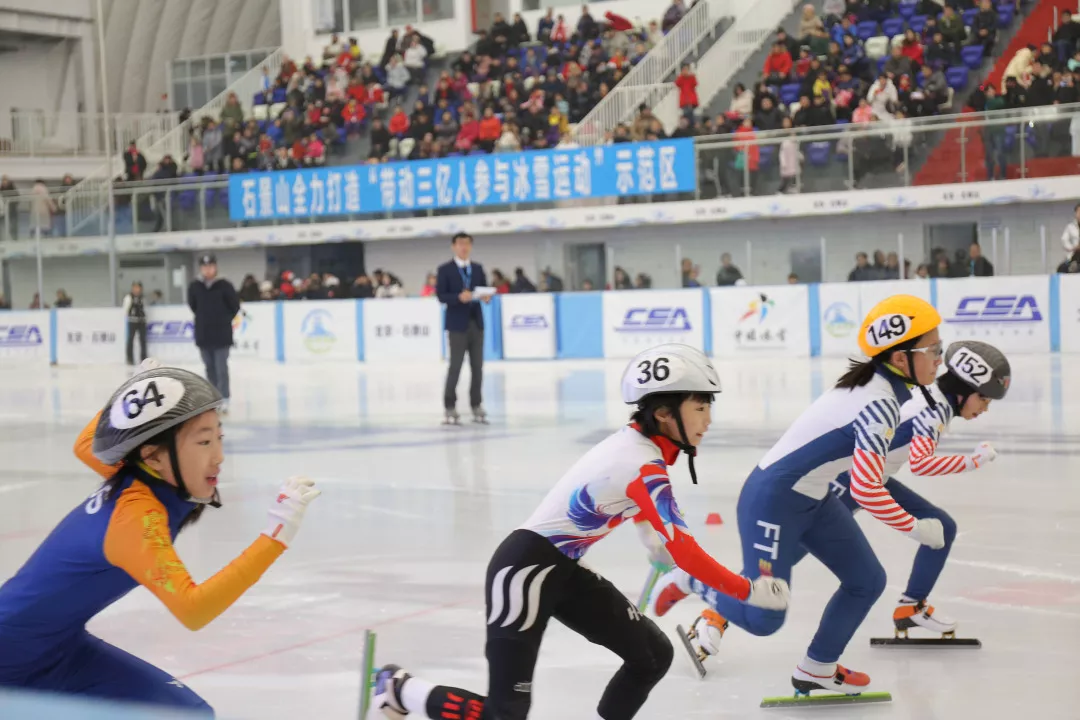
(42, 210)
(315, 152)
(545, 27)
(1067, 36)
(166, 170)
(769, 117)
(361, 288)
(892, 267)
(793, 278)
(469, 133)
(778, 65)
(622, 280)
(429, 286)
(399, 123)
(1041, 91)
(490, 130)
(380, 139)
(898, 63)
(447, 128)
(249, 289)
(923, 272)
(35, 303)
(984, 26)
(1048, 57)
(672, 16)
(353, 117)
(1070, 265)
(939, 53)
(587, 285)
(728, 274)
(389, 287)
(912, 48)
(134, 163)
(686, 267)
(63, 300)
(415, 60)
(1070, 238)
(882, 97)
(687, 84)
(977, 265)
(522, 284)
(791, 158)
(499, 282)
(390, 49)
(862, 271)
(213, 146)
(809, 24)
(331, 51)
(834, 11)
(742, 102)
(935, 85)
(232, 115)
(586, 26)
(398, 77)
(952, 27)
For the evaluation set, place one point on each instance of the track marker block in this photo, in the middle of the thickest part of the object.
(714, 519)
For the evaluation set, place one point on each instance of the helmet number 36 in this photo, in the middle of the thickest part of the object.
(657, 370)
(887, 330)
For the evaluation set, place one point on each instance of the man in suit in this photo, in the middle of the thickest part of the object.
(215, 303)
(454, 286)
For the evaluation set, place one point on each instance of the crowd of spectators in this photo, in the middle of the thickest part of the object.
(964, 263)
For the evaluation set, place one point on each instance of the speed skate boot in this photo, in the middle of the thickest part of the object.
(911, 613)
(668, 590)
(451, 418)
(479, 415)
(841, 680)
(388, 683)
(703, 638)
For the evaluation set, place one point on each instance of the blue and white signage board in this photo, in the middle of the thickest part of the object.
(874, 291)
(528, 326)
(24, 336)
(635, 320)
(1010, 313)
(95, 336)
(843, 305)
(254, 332)
(403, 329)
(1069, 312)
(760, 320)
(170, 334)
(317, 330)
(626, 169)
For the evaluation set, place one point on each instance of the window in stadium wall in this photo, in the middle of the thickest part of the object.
(527, 5)
(437, 10)
(400, 11)
(363, 14)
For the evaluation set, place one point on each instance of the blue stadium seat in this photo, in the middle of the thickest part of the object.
(892, 26)
(280, 95)
(258, 99)
(972, 56)
(917, 23)
(767, 156)
(818, 153)
(790, 93)
(957, 77)
(866, 30)
(907, 9)
(1005, 15)
(969, 16)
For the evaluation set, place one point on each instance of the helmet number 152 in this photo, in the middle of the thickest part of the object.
(657, 369)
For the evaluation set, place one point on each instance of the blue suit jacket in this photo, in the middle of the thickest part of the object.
(448, 285)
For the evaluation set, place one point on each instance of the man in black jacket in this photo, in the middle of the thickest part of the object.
(214, 302)
(454, 285)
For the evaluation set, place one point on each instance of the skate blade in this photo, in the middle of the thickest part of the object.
(822, 700)
(926, 642)
(690, 650)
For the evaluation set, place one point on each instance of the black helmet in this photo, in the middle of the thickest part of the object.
(148, 405)
(980, 366)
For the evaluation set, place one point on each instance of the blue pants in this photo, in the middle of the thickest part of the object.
(93, 667)
(778, 526)
(216, 361)
(928, 563)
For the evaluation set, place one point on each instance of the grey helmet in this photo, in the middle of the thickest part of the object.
(980, 366)
(146, 406)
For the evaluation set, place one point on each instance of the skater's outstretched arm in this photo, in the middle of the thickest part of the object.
(84, 450)
(926, 429)
(874, 429)
(651, 490)
(138, 541)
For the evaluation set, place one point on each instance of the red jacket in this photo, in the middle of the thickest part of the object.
(778, 64)
(490, 128)
(687, 85)
(399, 124)
(753, 152)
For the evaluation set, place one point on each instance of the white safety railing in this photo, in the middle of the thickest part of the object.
(658, 66)
(36, 133)
(753, 25)
(87, 201)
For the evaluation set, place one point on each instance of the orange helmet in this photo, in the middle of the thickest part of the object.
(894, 321)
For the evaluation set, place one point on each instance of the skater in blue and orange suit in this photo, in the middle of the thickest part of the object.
(158, 443)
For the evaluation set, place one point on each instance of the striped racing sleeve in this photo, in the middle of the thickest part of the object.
(874, 430)
(926, 429)
(651, 491)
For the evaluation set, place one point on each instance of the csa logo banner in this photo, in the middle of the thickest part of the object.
(24, 336)
(1009, 312)
(637, 319)
(528, 326)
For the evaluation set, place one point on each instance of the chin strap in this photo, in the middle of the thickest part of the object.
(911, 373)
(685, 446)
(181, 489)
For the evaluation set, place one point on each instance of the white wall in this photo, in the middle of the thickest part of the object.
(636, 11)
(86, 280)
(33, 78)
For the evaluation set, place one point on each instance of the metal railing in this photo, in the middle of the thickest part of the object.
(657, 67)
(746, 36)
(1040, 142)
(37, 133)
(85, 204)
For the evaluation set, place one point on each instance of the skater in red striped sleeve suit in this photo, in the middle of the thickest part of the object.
(786, 509)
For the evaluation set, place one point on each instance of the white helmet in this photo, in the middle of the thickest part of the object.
(669, 368)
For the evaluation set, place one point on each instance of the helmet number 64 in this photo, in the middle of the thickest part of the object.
(657, 369)
(133, 404)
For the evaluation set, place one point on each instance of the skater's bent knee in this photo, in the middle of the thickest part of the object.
(654, 663)
(764, 622)
(948, 525)
(876, 579)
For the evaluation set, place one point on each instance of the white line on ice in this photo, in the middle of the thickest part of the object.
(1008, 607)
(1016, 570)
(18, 486)
(388, 511)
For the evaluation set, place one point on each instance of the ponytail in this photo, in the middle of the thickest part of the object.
(858, 374)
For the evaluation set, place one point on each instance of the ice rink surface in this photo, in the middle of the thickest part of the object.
(411, 511)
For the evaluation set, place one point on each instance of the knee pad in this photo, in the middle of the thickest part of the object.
(949, 525)
(764, 622)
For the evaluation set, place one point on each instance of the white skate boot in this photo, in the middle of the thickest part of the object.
(388, 683)
(703, 638)
(911, 613)
(842, 680)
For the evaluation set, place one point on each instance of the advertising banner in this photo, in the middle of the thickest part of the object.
(409, 329)
(843, 306)
(1011, 313)
(254, 333)
(1070, 312)
(645, 168)
(90, 336)
(528, 326)
(24, 336)
(170, 334)
(753, 320)
(320, 330)
(636, 320)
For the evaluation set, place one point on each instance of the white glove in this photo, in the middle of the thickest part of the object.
(655, 545)
(148, 364)
(983, 454)
(288, 509)
(929, 532)
(769, 593)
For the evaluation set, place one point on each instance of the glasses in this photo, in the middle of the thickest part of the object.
(933, 352)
